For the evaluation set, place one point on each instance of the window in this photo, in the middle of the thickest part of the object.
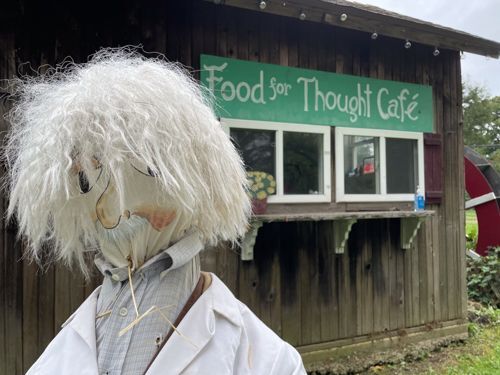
(377, 165)
(297, 156)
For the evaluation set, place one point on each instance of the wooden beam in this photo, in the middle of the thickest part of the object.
(339, 349)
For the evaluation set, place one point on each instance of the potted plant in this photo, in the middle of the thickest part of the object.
(260, 186)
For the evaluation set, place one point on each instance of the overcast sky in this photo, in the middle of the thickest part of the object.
(480, 17)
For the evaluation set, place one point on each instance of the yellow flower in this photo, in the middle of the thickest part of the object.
(258, 179)
(261, 195)
(270, 177)
(270, 190)
(260, 185)
(273, 183)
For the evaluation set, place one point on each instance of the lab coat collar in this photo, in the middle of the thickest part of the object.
(197, 327)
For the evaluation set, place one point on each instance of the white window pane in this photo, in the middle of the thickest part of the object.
(401, 161)
(257, 148)
(361, 165)
(303, 163)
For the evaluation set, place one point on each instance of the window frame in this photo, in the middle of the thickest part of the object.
(281, 127)
(383, 196)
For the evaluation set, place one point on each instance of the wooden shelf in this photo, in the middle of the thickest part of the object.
(342, 223)
(316, 216)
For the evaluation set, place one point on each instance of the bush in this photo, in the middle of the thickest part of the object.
(483, 278)
(471, 237)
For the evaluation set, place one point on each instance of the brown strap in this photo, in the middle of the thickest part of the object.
(197, 292)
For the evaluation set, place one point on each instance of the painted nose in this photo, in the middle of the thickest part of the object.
(108, 207)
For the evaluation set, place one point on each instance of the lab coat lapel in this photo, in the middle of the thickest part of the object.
(197, 329)
(83, 323)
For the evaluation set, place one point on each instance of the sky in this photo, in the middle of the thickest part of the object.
(479, 17)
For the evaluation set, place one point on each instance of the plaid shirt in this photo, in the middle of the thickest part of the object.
(165, 281)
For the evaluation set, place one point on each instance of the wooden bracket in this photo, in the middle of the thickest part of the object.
(248, 241)
(341, 230)
(409, 229)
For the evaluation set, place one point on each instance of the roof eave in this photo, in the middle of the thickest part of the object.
(371, 19)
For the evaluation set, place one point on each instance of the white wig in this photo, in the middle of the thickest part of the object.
(117, 107)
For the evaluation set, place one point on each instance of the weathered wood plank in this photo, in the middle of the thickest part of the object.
(290, 282)
(306, 286)
(273, 293)
(393, 274)
(30, 314)
(46, 308)
(62, 297)
(376, 231)
(441, 260)
(328, 291)
(3, 285)
(13, 303)
(400, 297)
(357, 276)
(450, 206)
(424, 239)
(462, 274)
(367, 307)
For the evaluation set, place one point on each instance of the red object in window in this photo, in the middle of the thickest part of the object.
(433, 164)
(368, 168)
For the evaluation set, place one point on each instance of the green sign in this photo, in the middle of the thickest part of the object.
(254, 91)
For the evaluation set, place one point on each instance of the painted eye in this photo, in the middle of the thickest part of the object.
(151, 173)
(83, 182)
(142, 168)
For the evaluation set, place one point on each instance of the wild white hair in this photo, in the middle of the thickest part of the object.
(119, 106)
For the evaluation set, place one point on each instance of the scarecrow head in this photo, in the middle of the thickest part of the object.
(122, 155)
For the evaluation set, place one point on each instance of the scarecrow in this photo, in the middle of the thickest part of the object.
(122, 159)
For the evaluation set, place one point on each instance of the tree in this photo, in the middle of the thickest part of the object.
(482, 123)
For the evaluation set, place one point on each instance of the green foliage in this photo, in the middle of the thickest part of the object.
(494, 159)
(483, 278)
(482, 123)
(471, 229)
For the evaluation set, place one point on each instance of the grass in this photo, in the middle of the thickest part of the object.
(480, 357)
(470, 222)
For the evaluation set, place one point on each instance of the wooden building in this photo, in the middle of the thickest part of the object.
(341, 261)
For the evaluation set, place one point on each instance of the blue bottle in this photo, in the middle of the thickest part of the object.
(419, 203)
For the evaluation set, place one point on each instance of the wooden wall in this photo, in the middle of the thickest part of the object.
(296, 284)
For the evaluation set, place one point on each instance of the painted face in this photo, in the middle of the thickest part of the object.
(133, 217)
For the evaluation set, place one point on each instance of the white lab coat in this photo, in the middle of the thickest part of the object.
(229, 339)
